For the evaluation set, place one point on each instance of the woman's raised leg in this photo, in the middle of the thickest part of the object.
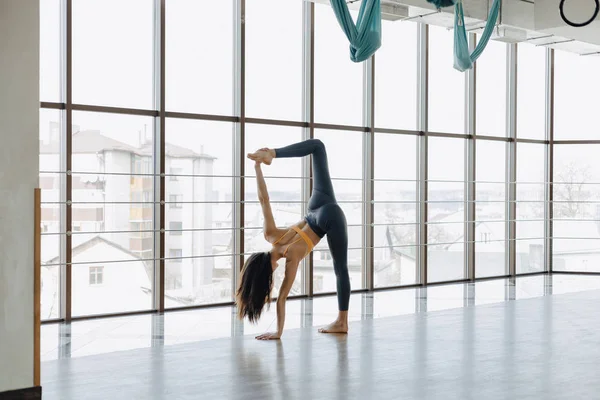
(321, 178)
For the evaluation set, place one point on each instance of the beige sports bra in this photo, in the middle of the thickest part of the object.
(303, 235)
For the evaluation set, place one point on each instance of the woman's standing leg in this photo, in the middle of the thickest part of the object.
(337, 239)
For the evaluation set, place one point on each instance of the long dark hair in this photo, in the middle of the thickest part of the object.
(255, 286)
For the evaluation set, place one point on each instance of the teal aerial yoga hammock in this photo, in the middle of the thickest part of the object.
(463, 60)
(365, 35)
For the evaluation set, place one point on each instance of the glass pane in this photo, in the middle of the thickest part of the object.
(134, 241)
(51, 259)
(112, 143)
(530, 207)
(51, 183)
(530, 252)
(50, 286)
(446, 85)
(125, 286)
(530, 170)
(491, 90)
(199, 192)
(50, 140)
(50, 27)
(112, 271)
(324, 280)
(274, 78)
(576, 207)
(445, 261)
(396, 77)
(112, 217)
(284, 184)
(52, 210)
(490, 246)
(338, 81)
(395, 181)
(531, 91)
(113, 53)
(396, 214)
(345, 157)
(400, 194)
(199, 56)
(395, 157)
(575, 78)
(446, 168)
(576, 181)
(446, 209)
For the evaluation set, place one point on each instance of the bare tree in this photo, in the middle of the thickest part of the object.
(570, 190)
(435, 234)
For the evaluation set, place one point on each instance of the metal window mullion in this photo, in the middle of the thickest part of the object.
(422, 170)
(159, 156)
(549, 162)
(238, 133)
(470, 173)
(67, 130)
(511, 171)
(368, 173)
(308, 37)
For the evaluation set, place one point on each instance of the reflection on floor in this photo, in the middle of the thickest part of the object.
(85, 338)
(446, 342)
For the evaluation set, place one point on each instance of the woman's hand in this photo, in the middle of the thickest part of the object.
(269, 336)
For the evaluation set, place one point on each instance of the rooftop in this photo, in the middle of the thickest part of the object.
(93, 141)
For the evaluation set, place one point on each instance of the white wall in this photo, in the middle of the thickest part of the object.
(121, 290)
(118, 189)
(202, 218)
(19, 133)
(124, 287)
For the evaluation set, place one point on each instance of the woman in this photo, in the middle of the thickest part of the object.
(324, 217)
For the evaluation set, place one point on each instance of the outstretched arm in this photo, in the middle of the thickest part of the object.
(291, 267)
(271, 232)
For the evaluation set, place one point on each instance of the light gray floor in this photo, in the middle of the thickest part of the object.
(537, 348)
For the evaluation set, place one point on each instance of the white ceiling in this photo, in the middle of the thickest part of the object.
(536, 22)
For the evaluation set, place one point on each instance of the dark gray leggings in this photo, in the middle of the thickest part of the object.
(325, 217)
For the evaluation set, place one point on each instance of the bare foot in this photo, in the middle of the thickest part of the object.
(263, 155)
(335, 327)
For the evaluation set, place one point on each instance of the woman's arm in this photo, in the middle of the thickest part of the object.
(271, 232)
(291, 267)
